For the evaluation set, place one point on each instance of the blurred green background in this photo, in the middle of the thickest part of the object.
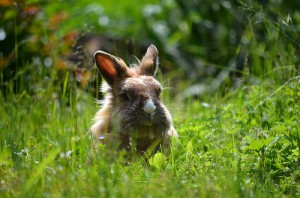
(203, 44)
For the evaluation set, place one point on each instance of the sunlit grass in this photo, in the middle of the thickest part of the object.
(246, 144)
(234, 141)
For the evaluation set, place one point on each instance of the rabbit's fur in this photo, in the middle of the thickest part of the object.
(132, 114)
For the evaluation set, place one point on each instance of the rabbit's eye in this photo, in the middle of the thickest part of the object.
(125, 96)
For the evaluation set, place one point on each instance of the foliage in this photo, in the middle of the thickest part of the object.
(39, 36)
(245, 143)
(204, 41)
(240, 138)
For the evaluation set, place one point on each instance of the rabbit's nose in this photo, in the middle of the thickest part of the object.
(149, 106)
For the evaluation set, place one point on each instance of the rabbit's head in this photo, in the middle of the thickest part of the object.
(137, 111)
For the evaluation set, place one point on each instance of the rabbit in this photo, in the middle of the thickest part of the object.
(132, 114)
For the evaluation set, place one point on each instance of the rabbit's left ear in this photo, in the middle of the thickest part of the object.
(149, 64)
(111, 67)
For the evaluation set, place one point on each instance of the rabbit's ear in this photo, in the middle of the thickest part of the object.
(149, 64)
(111, 68)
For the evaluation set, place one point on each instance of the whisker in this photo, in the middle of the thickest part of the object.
(127, 126)
(168, 88)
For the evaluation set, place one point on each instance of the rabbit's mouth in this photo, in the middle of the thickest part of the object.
(149, 119)
(148, 122)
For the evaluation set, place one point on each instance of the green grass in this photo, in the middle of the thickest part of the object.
(241, 142)
(244, 143)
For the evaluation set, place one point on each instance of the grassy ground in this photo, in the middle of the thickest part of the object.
(244, 143)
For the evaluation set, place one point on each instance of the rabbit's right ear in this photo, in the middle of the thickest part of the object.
(149, 64)
(111, 68)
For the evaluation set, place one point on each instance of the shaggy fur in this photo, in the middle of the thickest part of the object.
(121, 119)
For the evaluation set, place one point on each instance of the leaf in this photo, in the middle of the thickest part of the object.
(158, 161)
(259, 144)
(190, 148)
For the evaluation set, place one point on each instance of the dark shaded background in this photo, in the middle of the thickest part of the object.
(204, 45)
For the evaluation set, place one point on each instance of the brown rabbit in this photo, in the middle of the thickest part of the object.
(132, 114)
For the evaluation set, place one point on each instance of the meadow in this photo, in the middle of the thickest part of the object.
(244, 143)
(238, 136)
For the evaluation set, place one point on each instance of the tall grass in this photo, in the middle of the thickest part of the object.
(238, 141)
(245, 143)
